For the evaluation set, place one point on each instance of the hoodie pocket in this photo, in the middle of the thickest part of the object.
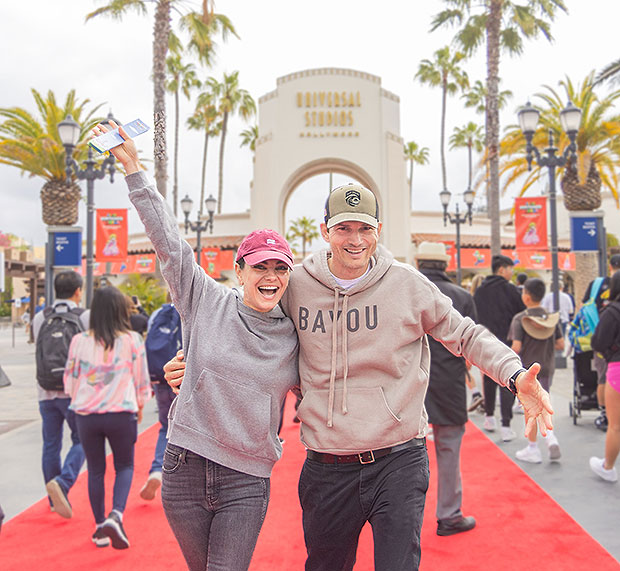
(235, 415)
(369, 422)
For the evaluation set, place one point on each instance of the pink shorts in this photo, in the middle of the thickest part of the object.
(613, 375)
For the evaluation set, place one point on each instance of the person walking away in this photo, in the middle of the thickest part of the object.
(163, 340)
(566, 309)
(606, 340)
(446, 398)
(107, 379)
(53, 328)
(242, 355)
(536, 335)
(598, 362)
(497, 302)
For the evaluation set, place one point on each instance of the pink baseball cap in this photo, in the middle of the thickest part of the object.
(262, 245)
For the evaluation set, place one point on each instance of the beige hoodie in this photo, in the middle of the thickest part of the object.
(364, 381)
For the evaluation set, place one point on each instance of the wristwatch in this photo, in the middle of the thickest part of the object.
(511, 386)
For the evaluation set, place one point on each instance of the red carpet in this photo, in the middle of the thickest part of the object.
(519, 525)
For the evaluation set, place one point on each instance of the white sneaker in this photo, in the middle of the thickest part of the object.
(598, 467)
(517, 408)
(508, 434)
(529, 454)
(490, 424)
(554, 448)
(151, 486)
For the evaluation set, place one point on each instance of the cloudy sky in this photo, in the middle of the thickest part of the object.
(48, 46)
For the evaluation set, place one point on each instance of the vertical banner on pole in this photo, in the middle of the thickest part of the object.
(531, 223)
(111, 234)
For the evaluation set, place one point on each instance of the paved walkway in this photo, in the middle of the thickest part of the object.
(591, 502)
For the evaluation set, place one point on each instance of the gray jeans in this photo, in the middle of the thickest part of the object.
(215, 512)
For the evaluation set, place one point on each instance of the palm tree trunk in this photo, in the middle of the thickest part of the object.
(175, 184)
(469, 145)
(410, 184)
(586, 269)
(204, 173)
(161, 33)
(220, 187)
(492, 120)
(444, 97)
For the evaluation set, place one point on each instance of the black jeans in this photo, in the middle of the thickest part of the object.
(338, 499)
(506, 400)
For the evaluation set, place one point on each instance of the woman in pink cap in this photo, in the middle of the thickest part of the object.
(241, 354)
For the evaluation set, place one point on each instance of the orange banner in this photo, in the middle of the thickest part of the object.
(111, 234)
(475, 257)
(531, 223)
(141, 264)
(98, 268)
(215, 260)
(451, 251)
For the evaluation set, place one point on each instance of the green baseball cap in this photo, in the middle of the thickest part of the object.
(351, 202)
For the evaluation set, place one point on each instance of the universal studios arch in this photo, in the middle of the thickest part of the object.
(331, 120)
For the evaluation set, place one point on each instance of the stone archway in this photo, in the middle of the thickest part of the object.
(323, 166)
(331, 120)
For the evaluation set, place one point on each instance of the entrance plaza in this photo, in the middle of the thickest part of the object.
(593, 503)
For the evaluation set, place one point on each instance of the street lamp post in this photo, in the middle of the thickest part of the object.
(69, 133)
(198, 227)
(570, 118)
(457, 219)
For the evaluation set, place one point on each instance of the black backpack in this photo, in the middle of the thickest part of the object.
(53, 340)
(163, 340)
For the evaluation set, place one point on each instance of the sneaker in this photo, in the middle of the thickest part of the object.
(601, 422)
(598, 467)
(517, 408)
(58, 497)
(554, 448)
(113, 528)
(508, 434)
(529, 454)
(151, 486)
(490, 424)
(100, 539)
(476, 401)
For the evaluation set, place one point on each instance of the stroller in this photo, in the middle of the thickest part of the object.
(585, 381)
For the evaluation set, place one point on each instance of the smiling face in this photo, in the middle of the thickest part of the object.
(263, 283)
(352, 244)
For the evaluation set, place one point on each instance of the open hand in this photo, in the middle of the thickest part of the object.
(535, 401)
(174, 371)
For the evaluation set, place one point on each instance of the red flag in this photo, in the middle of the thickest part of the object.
(111, 234)
(531, 223)
(215, 260)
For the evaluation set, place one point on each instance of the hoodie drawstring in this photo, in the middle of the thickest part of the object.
(345, 359)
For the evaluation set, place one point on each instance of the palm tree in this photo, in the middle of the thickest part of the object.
(417, 155)
(476, 97)
(230, 99)
(471, 137)
(32, 144)
(202, 27)
(249, 137)
(598, 147)
(182, 78)
(444, 72)
(304, 229)
(205, 118)
(598, 156)
(611, 73)
(499, 24)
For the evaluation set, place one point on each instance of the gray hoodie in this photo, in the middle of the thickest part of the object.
(364, 379)
(240, 362)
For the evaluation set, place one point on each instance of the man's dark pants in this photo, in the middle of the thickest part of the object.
(506, 400)
(338, 499)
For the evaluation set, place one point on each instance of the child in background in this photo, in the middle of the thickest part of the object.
(535, 335)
